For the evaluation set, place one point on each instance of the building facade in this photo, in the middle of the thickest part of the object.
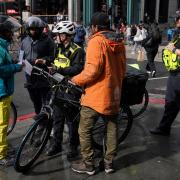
(133, 11)
(130, 11)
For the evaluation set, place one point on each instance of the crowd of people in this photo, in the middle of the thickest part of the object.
(100, 73)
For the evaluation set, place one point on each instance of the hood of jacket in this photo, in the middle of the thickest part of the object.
(111, 39)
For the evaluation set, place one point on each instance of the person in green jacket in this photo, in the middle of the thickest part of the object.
(7, 70)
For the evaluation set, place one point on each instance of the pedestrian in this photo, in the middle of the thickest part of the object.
(138, 38)
(170, 32)
(172, 99)
(128, 35)
(38, 49)
(80, 32)
(151, 46)
(101, 78)
(7, 70)
(69, 62)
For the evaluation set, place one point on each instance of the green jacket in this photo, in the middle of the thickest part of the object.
(7, 70)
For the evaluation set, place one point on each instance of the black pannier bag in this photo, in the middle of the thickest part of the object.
(133, 87)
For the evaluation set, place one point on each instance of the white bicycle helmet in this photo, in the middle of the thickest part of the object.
(64, 27)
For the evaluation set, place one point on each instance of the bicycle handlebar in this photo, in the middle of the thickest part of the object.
(58, 78)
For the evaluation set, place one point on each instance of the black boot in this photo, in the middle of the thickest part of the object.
(73, 152)
(158, 131)
(53, 149)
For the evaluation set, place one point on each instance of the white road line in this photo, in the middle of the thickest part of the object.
(150, 79)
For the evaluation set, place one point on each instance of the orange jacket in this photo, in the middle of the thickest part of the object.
(103, 73)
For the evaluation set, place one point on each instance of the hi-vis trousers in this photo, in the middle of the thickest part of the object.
(4, 117)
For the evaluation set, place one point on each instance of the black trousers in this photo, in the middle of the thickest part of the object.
(39, 97)
(172, 103)
(71, 116)
(150, 57)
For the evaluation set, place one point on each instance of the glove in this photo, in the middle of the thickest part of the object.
(55, 69)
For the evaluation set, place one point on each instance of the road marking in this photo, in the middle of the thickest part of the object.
(25, 117)
(157, 101)
(150, 79)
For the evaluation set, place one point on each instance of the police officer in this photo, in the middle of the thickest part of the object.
(69, 62)
(38, 49)
(172, 103)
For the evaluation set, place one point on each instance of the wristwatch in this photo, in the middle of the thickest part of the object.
(174, 50)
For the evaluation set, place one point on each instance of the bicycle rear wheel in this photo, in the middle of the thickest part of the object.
(12, 118)
(33, 143)
(139, 109)
(125, 121)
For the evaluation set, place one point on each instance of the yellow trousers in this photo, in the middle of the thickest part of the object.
(4, 118)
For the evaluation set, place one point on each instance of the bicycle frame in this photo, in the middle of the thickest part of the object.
(59, 84)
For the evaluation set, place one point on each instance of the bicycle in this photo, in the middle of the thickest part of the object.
(12, 118)
(35, 140)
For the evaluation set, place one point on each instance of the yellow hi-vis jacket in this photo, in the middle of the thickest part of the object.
(64, 59)
(170, 59)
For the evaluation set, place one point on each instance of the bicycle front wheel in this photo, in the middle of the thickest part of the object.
(12, 118)
(33, 143)
(125, 121)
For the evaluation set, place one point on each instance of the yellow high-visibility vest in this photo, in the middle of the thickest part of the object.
(63, 60)
(170, 59)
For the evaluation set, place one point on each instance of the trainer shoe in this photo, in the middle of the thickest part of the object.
(108, 166)
(153, 74)
(83, 167)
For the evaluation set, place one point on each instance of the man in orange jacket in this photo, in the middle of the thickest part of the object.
(101, 78)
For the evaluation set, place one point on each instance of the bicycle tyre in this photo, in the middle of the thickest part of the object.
(143, 105)
(12, 119)
(125, 116)
(19, 167)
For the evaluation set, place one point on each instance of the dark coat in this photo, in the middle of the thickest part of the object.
(44, 48)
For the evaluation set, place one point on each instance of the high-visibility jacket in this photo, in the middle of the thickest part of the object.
(64, 59)
(170, 59)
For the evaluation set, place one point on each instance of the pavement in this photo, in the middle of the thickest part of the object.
(141, 156)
